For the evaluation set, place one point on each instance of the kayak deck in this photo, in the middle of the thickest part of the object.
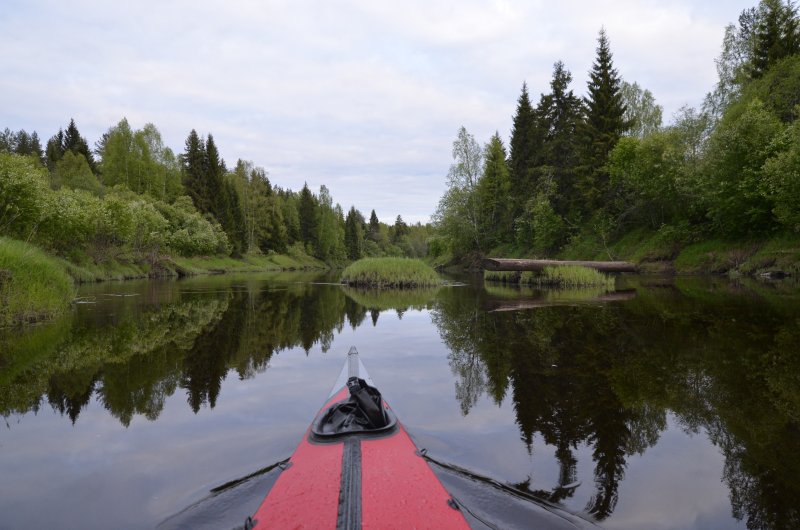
(357, 480)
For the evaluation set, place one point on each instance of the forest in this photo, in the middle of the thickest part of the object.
(601, 176)
(131, 198)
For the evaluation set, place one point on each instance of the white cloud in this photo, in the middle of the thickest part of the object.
(360, 96)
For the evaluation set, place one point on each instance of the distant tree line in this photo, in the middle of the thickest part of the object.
(598, 167)
(133, 194)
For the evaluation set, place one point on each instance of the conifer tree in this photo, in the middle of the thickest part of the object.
(603, 126)
(521, 149)
(73, 141)
(216, 198)
(493, 195)
(374, 226)
(353, 235)
(307, 212)
(776, 35)
(562, 119)
(194, 169)
(55, 149)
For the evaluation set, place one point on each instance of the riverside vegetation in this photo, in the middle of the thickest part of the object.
(133, 208)
(600, 176)
(391, 273)
(559, 276)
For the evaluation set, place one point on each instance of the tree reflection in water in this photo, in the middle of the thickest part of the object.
(722, 358)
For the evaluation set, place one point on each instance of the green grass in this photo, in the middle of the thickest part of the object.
(568, 276)
(501, 276)
(390, 273)
(33, 285)
(558, 276)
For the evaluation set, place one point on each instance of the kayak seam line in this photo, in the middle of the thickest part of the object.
(349, 515)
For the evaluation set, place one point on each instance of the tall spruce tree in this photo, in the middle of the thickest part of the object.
(194, 170)
(214, 173)
(73, 141)
(776, 35)
(562, 118)
(604, 124)
(522, 150)
(309, 218)
(353, 235)
(374, 226)
(493, 195)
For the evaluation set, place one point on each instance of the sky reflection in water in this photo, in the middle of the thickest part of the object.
(675, 406)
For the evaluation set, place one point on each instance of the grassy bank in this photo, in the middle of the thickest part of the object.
(84, 269)
(391, 273)
(33, 285)
(669, 250)
(562, 276)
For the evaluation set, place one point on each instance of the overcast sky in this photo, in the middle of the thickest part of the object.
(365, 97)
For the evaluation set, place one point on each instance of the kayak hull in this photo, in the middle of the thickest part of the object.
(358, 481)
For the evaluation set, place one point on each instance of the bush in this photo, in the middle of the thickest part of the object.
(24, 195)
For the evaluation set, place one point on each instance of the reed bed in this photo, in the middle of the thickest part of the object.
(561, 276)
(390, 273)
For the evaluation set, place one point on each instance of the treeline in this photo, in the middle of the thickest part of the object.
(131, 196)
(583, 172)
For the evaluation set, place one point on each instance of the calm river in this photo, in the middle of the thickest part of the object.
(669, 404)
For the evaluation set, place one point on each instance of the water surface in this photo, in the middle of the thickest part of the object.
(666, 404)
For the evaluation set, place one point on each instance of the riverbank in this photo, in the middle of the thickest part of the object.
(655, 252)
(86, 270)
(36, 286)
(33, 285)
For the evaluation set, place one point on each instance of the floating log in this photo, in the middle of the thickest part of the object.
(502, 264)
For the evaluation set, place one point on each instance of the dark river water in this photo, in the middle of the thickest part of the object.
(668, 404)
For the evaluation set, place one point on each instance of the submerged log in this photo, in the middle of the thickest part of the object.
(503, 264)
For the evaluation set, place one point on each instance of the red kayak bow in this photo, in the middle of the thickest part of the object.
(357, 467)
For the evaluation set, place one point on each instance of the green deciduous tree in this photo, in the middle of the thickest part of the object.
(457, 213)
(641, 110)
(73, 171)
(734, 187)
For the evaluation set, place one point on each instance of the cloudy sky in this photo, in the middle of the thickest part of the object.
(365, 97)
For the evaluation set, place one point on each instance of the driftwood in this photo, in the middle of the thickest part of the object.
(502, 264)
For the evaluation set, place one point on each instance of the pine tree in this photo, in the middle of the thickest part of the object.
(776, 35)
(604, 124)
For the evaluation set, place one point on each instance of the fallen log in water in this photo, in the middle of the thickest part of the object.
(504, 264)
